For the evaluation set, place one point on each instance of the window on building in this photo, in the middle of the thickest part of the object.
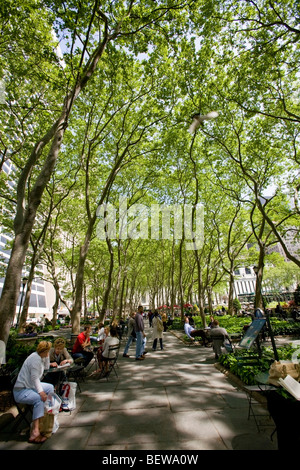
(33, 300)
(42, 301)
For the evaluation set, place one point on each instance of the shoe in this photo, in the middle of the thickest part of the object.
(125, 355)
(139, 358)
(153, 349)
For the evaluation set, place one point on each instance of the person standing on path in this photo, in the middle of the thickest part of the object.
(158, 329)
(140, 335)
(164, 319)
(131, 333)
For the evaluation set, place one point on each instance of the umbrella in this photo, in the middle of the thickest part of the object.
(187, 305)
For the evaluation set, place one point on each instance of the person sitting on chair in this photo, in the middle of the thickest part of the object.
(218, 335)
(29, 389)
(106, 356)
(58, 356)
(258, 313)
(192, 333)
(82, 345)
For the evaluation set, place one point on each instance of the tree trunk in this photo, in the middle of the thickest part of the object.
(172, 279)
(24, 312)
(122, 297)
(77, 307)
(109, 281)
(258, 303)
(55, 307)
(11, 287)
(25, 219)
(230, 294)
(200, 290)
(180, 278)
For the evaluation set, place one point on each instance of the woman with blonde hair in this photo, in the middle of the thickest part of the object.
(29, 389)
(58, 356)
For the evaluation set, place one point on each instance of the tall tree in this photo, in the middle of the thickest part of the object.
(90, 25)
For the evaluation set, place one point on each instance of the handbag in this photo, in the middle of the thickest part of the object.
(228, 345)
(279, 370)
(46, 424)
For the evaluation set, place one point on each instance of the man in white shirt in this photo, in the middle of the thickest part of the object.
(192, 333)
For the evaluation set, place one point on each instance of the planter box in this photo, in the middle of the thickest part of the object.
(27, 340)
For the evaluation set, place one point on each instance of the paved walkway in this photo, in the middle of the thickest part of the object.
(175, 399)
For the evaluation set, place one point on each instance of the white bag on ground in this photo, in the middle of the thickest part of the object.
(68, 396)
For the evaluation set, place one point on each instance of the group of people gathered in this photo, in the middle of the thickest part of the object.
(85, 344)
(136, 331)
(207, 335)
(36, 380)
(34, 384)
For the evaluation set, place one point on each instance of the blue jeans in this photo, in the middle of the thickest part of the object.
(129, 341)
(87, 356)
(29, 396)
(140, 344)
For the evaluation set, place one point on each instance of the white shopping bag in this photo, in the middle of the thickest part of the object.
(68, 396)
(52, 404)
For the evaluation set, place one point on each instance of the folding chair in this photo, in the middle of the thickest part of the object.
(22, 408)
(76, 371)
(94, 361)
(112, 363)
(262, 419)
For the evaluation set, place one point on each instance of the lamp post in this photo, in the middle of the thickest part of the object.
(24, 282)
(255, 269)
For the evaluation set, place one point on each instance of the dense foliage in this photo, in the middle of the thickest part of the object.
(109, 113)
(236, 362)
